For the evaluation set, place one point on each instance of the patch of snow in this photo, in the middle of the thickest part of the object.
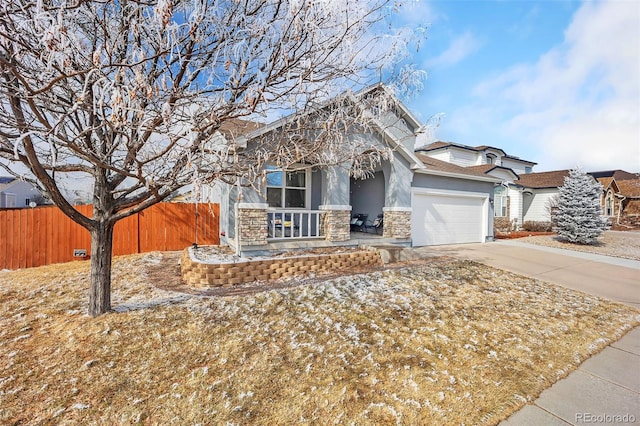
(79, 406)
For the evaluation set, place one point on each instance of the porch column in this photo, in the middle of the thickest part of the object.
(252, 224)
(335, 222)
(397, 222)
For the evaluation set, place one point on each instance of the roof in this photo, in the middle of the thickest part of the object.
(553, 179)
(617, 174)
(480, 148)
(236, 127)
(487, 168)
(6, 179)
(605, 181)
(450, 169)
(629, 188)
(440, 144)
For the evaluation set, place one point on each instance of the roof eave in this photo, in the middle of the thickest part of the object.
(426, 171)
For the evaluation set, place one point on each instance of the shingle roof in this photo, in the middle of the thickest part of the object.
(442, 166)
(629, 187)
(6, 179)
(605, 181)
(486, 168)
(617, 174)
(236, 127)
(540, 180)
(435, 145)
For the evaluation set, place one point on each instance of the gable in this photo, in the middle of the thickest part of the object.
(396, 126)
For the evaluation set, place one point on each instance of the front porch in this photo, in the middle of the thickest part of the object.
(265, 230)
(357, 239)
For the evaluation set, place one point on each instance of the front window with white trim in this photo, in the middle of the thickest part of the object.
(500, 201)
(288, 189)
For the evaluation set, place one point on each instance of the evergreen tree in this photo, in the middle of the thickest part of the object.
(578, 218)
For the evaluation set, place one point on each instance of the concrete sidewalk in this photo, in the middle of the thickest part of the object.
(605, 389)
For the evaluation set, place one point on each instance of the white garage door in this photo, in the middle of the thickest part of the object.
(443, 218)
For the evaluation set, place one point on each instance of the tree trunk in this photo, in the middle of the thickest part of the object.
(101, 250)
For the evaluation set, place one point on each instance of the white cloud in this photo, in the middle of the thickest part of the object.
(460, 48)
(579, 104)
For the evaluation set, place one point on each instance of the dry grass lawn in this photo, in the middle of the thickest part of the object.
(435, 343)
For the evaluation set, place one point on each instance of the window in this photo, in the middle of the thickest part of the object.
(500, 201)
(609, 205)
(286, 189)
(491, 159)
(27, 201)
(527, 170)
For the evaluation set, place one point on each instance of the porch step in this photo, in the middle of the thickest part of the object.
(391, 253)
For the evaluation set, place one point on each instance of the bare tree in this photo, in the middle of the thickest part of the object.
(131, 95)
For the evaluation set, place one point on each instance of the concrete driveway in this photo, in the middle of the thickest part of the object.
(605, 276)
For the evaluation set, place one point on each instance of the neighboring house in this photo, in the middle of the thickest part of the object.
(490, 161)
(620, 199)
(424, 201)
(539, 189)
(15, 193)
(628, 197)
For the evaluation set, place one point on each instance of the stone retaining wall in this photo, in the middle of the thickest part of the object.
(197, 274)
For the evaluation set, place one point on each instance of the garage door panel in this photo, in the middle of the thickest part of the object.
(443, 219)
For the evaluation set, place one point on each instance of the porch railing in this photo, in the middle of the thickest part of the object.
(292, 224)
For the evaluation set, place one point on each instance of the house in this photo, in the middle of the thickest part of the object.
(539, 191)
(425, 201)
(16, 193)
(620, 199)
(509, 197)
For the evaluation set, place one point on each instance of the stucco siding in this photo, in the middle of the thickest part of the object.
(447, 183)
(399, 128)
(399, 177)
(367, 196)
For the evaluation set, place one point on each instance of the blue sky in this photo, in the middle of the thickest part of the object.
(555, 82)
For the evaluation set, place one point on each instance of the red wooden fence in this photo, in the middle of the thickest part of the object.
(44, 235)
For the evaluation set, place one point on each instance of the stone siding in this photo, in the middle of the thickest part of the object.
(336, 225)
(397, 224)
(197, 274)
